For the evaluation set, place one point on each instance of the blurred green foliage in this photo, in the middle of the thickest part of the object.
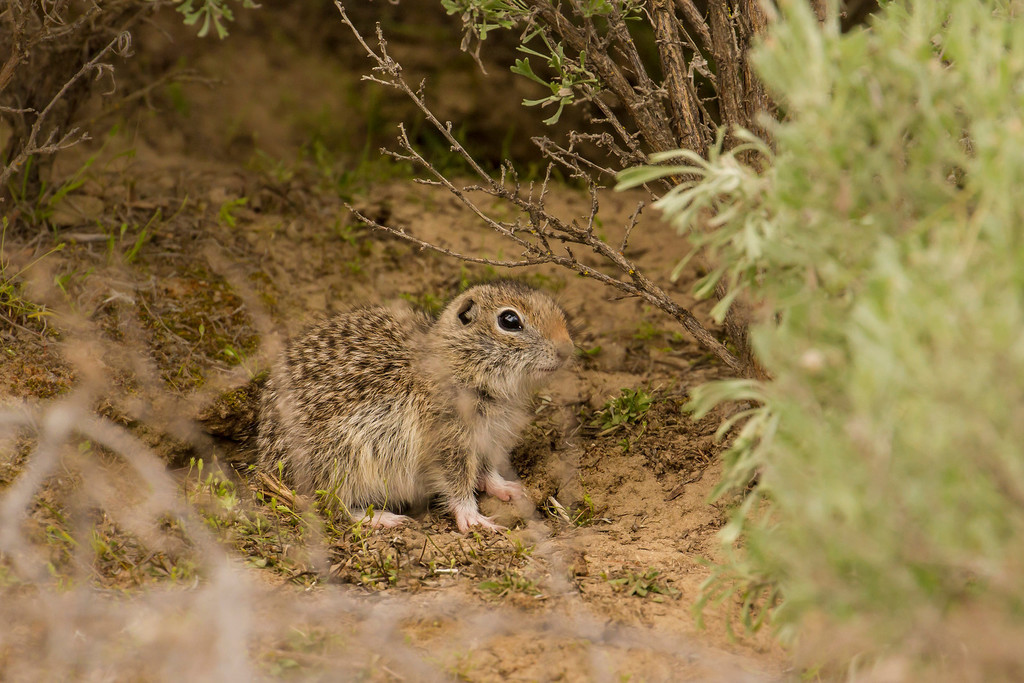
(209, 14)
(629, 407)
(884, 239)
(564, 74)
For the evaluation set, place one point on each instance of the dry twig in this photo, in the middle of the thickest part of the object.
(542, 236)
(55, 141)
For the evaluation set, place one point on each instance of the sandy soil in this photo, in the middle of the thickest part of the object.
(233, 239)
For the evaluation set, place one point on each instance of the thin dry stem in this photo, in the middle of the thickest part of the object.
(544, 228)
(696, 22)
(632, 224)
(32, 147)
(693, 132)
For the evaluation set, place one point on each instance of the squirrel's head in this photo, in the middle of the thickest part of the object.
(504, 337)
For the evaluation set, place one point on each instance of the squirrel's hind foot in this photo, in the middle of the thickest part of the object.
(494, 484)
(467, 515)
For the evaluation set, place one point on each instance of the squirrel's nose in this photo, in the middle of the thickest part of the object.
(565, 350)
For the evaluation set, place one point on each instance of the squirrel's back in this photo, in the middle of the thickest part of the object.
(341, 398)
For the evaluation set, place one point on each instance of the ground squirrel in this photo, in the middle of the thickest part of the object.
(390, 408)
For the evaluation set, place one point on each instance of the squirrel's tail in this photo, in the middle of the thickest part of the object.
(235, 414)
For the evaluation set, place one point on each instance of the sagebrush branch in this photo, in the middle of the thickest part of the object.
(545, 237)
(55, 142)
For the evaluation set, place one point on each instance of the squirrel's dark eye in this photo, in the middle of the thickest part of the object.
(509, 320)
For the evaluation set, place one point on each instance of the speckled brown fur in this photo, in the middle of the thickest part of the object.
(387, 407)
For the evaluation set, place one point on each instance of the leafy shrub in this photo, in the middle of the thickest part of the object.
(629, 407)
(885, 243)
(642, 585)
(207, 13)
(54, 56)
(653, 60)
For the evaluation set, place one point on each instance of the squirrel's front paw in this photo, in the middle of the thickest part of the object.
(382, 519)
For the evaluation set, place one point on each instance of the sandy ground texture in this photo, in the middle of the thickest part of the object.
(207, 229)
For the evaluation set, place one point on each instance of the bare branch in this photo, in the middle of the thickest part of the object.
(399, 232)
(653, 127)
(690, 130)
(22, 41)
(726, 52)
(741, 95)
(570, 159)
(120, 44)
(696, 22)
(623, 40)
(632, 224)
(545, 230)
(636, 155)
(461, 194)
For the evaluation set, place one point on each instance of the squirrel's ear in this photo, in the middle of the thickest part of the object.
(467, 311)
